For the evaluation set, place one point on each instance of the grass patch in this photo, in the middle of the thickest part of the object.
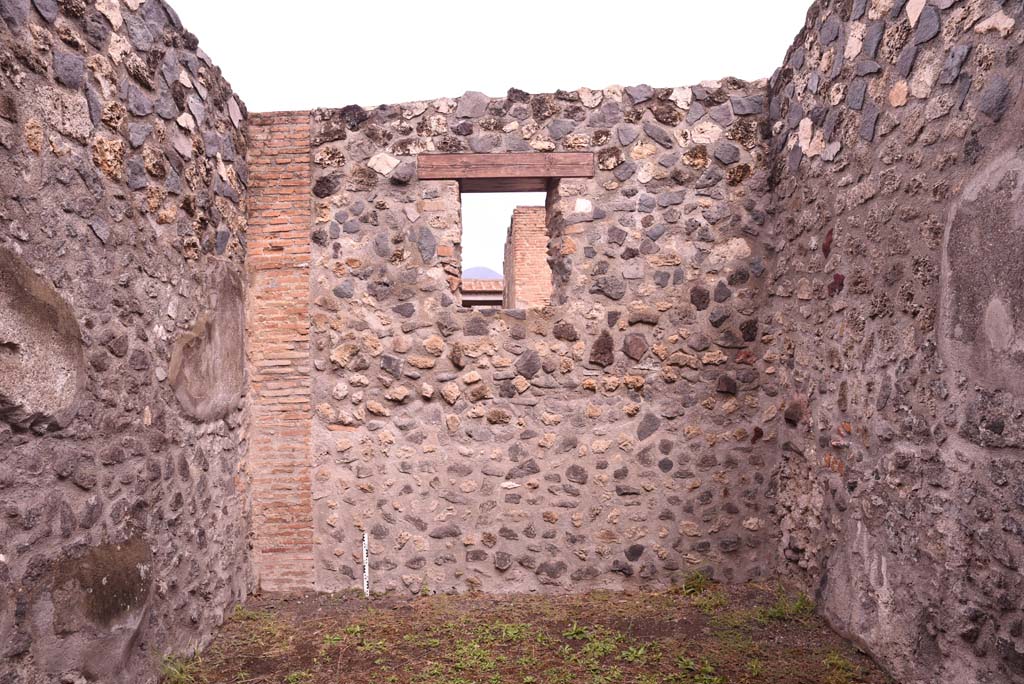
(840, 669)
(696, 583)
(710, 601)
(785, 608)
(699, 632)
(178, 670)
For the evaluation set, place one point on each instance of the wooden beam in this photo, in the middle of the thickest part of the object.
(531, 165)
(504, 184)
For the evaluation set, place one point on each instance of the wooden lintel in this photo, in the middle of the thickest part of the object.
(504, 184)
(493, 166)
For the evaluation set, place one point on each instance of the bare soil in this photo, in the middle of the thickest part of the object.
(700, 633)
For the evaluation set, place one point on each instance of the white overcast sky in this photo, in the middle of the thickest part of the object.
(303, 54)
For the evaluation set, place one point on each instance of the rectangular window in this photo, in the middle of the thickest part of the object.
(504, 250)
(504, 221)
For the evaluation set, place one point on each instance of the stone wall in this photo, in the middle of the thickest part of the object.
(619, 437)
(123, 515)
(898, 289)
(527, 274)
(783, 337)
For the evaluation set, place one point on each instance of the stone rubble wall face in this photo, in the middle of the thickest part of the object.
(123, 511)
(620, 437)
(527, 274)
(899, 292)
(783, 337)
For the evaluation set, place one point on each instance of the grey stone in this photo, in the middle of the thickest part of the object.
(344, 290)
(612, 287)
(658, 134)
(526, 469)
(135, 173)
(47, 9)
(625, 171)
(392, 365)
(484, 143)
(867, 67)
(14, 12)
(225, 189)
(403, 173)
(529, 364)
(727, 153)
(426, 243)
(627, 134)
(954, 62)
(718, 316)
(696, 113)
(138, 132)
(722, 114)
(872, 39)
(726, 384)
(502, 561)
(829, 31)
(928, 25)
(905, 64)
(633, 552)
(858, 9)
(649, 425)
(868, 122)
(445, 531)
(101, 230)
(635, 346)
(640, 93)
(139, 34)
(563, 330)
(995, 97)
(138, 103)
(622, 568)
(814, 82)
(577, 473)
(405, 309)
(602, 353)
(552, 569)
(669, 199)
(559, 128)
(747, 105)
(897, 8)
(69, 69)
(856, 93)
(325, 186)
(472, 105)
(654, 233)
(197, 109)
(700, 298)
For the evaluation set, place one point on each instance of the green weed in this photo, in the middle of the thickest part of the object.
(178, 670)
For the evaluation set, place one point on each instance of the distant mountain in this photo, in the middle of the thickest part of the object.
(480, 273)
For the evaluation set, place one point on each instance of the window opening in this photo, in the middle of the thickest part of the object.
(504, 250)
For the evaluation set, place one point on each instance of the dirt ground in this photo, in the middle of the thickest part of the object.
(700, 633)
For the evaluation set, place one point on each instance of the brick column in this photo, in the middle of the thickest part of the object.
(527, 274)
(280, 459)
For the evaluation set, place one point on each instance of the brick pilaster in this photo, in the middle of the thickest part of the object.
(280, 215)
(527, 273)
